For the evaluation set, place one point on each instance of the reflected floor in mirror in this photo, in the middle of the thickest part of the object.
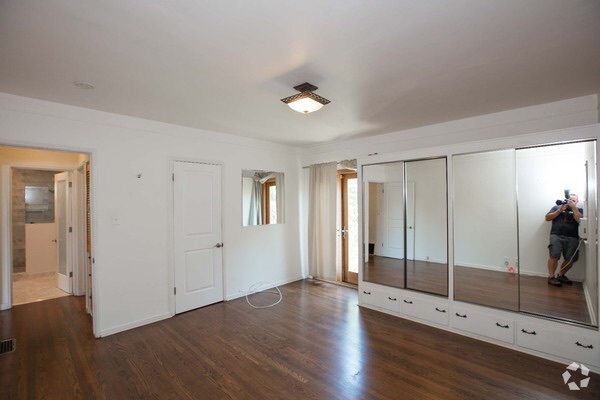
(501, 290)
(385, 271)
(565, 302)
(487, 288)
(424, 276)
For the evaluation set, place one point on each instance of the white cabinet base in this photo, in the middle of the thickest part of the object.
(553, 340)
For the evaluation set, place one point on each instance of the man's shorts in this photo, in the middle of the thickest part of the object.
(565, 245)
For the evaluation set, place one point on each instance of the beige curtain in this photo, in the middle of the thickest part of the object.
(322, 221)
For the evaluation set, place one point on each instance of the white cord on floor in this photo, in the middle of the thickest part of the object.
(257, 287)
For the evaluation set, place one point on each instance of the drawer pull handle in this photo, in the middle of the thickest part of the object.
(504, 326)
(528, 332)
(584, 346)
(365, 292)
(392, 298)
(461, 315)
(408, 301)
(438, 310)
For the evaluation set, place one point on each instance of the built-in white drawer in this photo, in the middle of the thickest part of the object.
(568, 342)
(432, 311)
(388, 299)
(483, 324)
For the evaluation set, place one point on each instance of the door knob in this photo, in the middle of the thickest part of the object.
(218, 245)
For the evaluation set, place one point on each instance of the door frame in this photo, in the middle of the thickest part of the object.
(6, 220)
(171, 224)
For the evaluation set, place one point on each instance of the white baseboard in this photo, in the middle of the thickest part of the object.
(4, 306)
(504, 269)
(134, 324)
(270, 285)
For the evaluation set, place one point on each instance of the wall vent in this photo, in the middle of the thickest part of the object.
(8, 346)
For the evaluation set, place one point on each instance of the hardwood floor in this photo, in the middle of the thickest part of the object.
(484, 287)
(316, 344)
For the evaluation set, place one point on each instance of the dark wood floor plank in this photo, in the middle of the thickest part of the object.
(316, 344)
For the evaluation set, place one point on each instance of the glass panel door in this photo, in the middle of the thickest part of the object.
(350, 228)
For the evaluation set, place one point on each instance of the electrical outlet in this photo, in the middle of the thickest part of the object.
(506, 261)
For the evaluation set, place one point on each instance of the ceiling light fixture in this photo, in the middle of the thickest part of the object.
(306, 101)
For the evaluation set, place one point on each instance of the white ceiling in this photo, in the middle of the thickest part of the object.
(386, 65)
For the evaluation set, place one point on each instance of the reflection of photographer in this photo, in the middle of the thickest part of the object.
(564, 237)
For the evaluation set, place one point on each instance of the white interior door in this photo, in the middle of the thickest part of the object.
(393, 243)
(197, 241)
(62, 218)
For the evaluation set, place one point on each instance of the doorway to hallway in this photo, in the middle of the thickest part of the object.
(47, 247)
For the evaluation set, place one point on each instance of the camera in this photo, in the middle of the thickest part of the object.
(566, 200)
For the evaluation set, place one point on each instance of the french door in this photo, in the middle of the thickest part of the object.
(349, 218)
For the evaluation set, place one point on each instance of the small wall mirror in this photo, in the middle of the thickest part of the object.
(262, 197)
(37, 198)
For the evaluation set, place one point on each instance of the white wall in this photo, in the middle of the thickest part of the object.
(133, 274)
(39, 159)
(542, 175)
(430, 209)
(485, 210)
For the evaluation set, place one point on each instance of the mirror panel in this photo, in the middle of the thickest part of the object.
(543, 175)
(383, 221)
(262, 197)
(426, 226)
(501, 235)
(485, 229)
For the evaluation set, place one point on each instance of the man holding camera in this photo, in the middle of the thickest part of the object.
(564, 238)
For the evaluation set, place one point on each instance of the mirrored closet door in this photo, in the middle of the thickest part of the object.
(426, 226)
(504, 206)
(485, 227)
(383, 221)
(547, 177)
(405, 225)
